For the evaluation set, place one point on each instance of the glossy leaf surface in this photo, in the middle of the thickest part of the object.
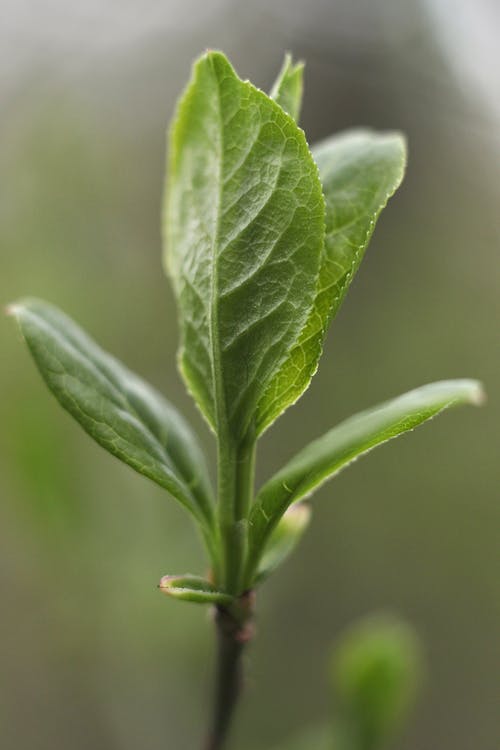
(120, 411)
(325, 457)
(244, 228)
(359, 171)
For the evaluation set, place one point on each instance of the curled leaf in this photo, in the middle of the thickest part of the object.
(193, 589)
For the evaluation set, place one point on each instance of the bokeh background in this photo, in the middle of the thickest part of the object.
(91, 655)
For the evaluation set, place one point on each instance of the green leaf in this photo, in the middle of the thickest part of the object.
(193, 589)
(376, 670)
(325, 457)
(284, 539)
(244, 228)
(119, 410)
(360, 170)
(288, 87)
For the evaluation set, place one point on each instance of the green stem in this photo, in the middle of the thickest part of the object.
(236, 467)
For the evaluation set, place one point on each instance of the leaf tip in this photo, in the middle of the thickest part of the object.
(166, 583)
(13, 309)
(477, 393)
(469, 392)
(297, 517)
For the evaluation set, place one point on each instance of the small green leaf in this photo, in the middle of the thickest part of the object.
(325, 457)
(120, 411)
(376, 670)
(360, 170)
(244, 229)
(284, 539)
(194, 589)
(288, 87)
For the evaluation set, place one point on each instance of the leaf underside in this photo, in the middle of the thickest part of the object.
(326, 456)
(120, 411)
(359, 170)
(243, 228)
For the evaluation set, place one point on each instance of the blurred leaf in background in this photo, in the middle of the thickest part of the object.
(376, 670)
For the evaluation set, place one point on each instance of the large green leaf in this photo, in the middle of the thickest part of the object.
(120, 411)
(359, 170)
(244, 229)
(288, 87)
(325, 457)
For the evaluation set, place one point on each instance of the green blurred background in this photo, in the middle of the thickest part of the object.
(91, 655)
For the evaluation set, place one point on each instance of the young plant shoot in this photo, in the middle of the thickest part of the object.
(263, 236)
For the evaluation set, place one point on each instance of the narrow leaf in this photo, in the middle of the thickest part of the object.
(120, 411)
(360, 170)
(288, 87)
(244, 227)
(325, 457)
(193, 589)
(284, 538)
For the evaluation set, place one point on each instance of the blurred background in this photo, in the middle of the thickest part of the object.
(91, 656)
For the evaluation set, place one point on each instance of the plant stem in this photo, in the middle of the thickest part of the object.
(234, 630)
(236, 467)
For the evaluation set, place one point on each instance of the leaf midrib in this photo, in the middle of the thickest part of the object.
(219, 394)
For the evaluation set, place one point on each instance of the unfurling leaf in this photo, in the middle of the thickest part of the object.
(120, 411)
(288, 87)
(326, 456)
(193, 589)
(244, 229)
(360, 170)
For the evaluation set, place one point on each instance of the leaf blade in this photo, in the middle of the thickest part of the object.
(326, 456)
(360, 171)
(243, 230)
(116, 408)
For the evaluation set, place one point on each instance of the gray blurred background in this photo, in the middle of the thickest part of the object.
(91, 655)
